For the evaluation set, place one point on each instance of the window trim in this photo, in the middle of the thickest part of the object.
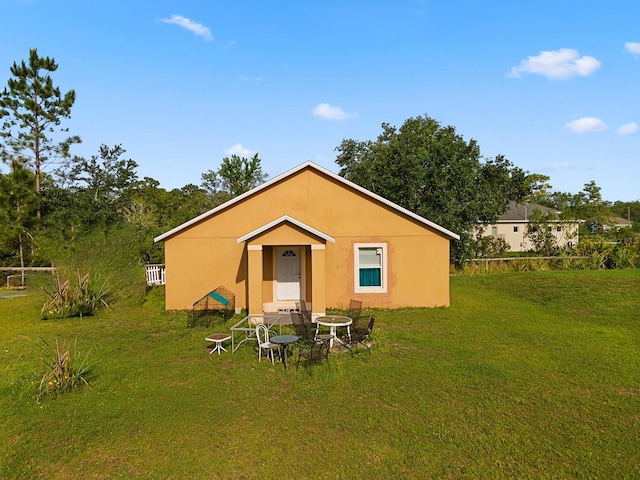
(356, 268)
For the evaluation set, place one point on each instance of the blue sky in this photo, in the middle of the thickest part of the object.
(552, 85)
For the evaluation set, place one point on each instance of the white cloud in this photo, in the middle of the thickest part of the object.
(194, 27)
(239, 150)
(329, 112)
(587, 124)
(632, 47)
(628, 129)
(557, 64)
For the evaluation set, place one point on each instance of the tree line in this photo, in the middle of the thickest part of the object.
(48, 194)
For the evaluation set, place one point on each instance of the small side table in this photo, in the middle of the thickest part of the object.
(218, 338)
(284, 341)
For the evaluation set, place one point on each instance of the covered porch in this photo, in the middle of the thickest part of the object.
(285, 263)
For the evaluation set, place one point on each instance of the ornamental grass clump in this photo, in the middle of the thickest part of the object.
(67, 300)
(65, 370)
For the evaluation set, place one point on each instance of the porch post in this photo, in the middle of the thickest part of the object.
(318, 280)
(254, 279)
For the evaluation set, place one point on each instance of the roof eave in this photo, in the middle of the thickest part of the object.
(290, 172)
(281, 220)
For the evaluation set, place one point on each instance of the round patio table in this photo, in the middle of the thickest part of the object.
(218, 338)
(333, 322)
(284, 341)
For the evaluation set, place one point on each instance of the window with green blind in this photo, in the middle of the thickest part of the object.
(370, 267)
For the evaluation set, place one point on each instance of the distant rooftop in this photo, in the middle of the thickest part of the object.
(522, 211)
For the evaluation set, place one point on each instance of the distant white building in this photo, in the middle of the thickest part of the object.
(617, 223)
(513, 224)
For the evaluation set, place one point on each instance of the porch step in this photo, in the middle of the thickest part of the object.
(287, 310)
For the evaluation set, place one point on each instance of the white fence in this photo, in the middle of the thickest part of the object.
(155, 275)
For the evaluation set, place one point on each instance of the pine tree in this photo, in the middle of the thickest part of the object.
(31, 110)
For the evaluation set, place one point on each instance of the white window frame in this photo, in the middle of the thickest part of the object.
(356, 268)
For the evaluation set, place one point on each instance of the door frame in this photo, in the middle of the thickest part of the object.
(301, 251)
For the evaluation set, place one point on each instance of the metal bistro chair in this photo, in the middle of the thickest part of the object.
(303, 329)
(301, 306)
(354, 312)
(314, 352)
(355, 309)
(262, 333)
(361, 332)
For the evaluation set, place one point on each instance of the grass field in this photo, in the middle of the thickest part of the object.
(526, 375)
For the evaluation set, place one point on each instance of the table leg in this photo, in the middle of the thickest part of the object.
(332, 331)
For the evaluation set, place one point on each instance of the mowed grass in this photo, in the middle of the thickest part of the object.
(526, 375)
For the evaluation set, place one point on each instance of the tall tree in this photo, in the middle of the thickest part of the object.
(101, 185)
(31, 109)
(432, 171)
(235, 176)
(17, 212)
(539, 186)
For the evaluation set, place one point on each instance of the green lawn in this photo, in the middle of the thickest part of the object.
(526, 375)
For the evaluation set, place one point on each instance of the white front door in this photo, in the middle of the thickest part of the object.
(288, 273)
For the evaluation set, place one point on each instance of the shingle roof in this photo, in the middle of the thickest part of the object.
(522, 212)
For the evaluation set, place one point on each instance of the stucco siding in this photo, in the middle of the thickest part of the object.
(207, 254)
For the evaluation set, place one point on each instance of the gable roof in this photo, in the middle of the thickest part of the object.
(303, 166)
(285, 219)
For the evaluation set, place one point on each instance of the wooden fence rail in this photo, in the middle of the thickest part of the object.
(28, 269)
(17, 280)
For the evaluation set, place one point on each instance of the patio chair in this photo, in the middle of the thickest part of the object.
(262, 333)
(321, 337)
(353, 312)
(361, 332)
(301, 307)
(355, 309)
(305, 330)
(314, 352)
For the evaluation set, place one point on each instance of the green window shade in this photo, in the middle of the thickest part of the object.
(370, 277)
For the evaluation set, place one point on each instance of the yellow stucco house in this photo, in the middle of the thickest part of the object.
(308, 234)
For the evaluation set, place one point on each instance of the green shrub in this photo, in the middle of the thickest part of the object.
(623, 257)
(67, 300)
(65, 370)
